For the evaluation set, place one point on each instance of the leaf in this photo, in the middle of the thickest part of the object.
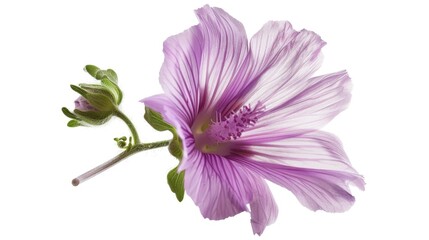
(176, 183)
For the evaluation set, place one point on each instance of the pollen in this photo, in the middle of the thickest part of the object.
(234, 124)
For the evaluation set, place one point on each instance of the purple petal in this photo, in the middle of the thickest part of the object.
(222, 188)
(200, 62)
(218, 186)
(163, 105)
(313, 166)
(316, 189)
(281, 62)
(309, 108)
(224, 43)
(317, 149)
(83, 105)
(179, 75)
(263, 207)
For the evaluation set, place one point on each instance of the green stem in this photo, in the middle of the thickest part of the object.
(130, 125)
(134, 149)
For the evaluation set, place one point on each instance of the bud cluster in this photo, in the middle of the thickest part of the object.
(97, 103)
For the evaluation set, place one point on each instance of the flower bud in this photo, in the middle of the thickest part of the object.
(97, 103)
(83, 105)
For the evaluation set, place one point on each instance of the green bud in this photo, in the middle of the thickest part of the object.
(122, 144)
(97, 102)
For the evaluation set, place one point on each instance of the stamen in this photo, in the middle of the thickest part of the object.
(232, 126)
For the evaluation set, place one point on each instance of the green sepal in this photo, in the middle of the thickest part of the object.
(176, 182)
(112, 75)
(157, 122)
(69, 114)
(79, 90)
(98, 74)
(92, 70)
(175, 179)
(100, 102)
(74, 123)
(96, 88)
(93, 117)
(113, 88)
(109, 74)
(175, 148)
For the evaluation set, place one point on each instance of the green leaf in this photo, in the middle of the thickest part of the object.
(176, 182)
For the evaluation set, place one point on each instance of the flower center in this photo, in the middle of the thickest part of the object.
(216, 137)
(233, 125)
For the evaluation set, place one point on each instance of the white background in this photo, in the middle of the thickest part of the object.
(45, 44)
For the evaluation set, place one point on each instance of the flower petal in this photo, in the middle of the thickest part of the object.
(201, 62)
(163, 105)
(217, 185)
(316, 189)
(179, 74)
(263, 208)
(317, 149)
(313, 166)
(282, 60)
(222, 188)
(310, 108)
(224, 49)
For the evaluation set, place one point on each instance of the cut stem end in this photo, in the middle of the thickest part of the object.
(75, 182)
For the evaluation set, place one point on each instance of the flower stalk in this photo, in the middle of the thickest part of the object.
(132, 150)
(134, 134)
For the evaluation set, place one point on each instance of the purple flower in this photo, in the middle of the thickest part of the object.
(249, 111)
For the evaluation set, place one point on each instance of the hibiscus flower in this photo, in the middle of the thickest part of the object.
(247, 112)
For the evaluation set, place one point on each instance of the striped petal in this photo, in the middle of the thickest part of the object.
(224, 50)
(280, 61)
(313, 166)
(179, 74)
(222, 188)
(322, 99)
